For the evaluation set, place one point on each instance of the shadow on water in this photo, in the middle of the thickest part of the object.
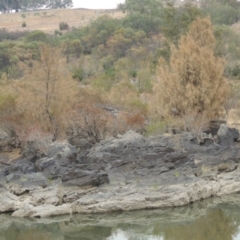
(214, 225)
(205, 220)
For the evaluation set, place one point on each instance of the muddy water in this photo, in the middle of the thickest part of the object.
(206, 220)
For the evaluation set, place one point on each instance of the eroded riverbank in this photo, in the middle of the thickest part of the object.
(129, 172)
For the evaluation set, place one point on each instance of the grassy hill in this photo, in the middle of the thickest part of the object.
(48, 20)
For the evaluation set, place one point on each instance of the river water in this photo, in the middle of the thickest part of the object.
(207, 220)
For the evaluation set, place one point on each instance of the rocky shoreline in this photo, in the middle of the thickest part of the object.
(129, 172)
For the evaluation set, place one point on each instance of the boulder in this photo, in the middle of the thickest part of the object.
(235, 134)
(62, 150)
(80, 143)
(20, 166)
(51, 195)
(71, 173)
(121, 144)
(24, 183)
(227, 136)
(8, 201)
(37, 149)
(214, 126)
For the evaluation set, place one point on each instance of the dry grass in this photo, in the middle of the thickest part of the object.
(236, 27)
(48, 20)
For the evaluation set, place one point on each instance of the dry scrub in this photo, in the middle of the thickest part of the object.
(47, 104)
(193, 80)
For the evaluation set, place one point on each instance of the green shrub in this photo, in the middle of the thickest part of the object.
(10, 35)
(235, 71)
(63, 26)
(144, 81)
(138, 105)
(156, 128)
(57, 33)
(7, 102)
(103, 82)
(24, 24)
(110, 72)
(36, 36)
(77, 48)
(133, 73)
(78, 73)
(222, 13)
(23, 15)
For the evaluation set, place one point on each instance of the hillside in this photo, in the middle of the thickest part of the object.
(48, 20)
(155, 72)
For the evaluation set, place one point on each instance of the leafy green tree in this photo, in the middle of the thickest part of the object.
(98, 33)
(223, 14)
(228, 46)
(7, 5)
(4, 6)
(122, 40)
(207, 3)
(177, 20)
(222, 11)
(37, 36)
(143, 14)
(59, 3)
(31, 4)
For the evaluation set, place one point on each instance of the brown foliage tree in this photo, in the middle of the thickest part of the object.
(193, 81)
(88, 122)
(46, 93)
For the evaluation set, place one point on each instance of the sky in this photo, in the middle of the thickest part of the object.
(96, 4)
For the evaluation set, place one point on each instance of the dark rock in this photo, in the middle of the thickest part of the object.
(227, 136)
(22, 183)
(176, 158)
(163, 169)
(214, 126)
(73, 174)
(45, 163)
(21, 166)
(31, 151)
(172, 170)
(61, 163)
(235, 134)
(206, 142)
(8, 140)
(170, 165)
(84, 179)
(62, 150)
(4, 142)
(80, 143)
(81, 157)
